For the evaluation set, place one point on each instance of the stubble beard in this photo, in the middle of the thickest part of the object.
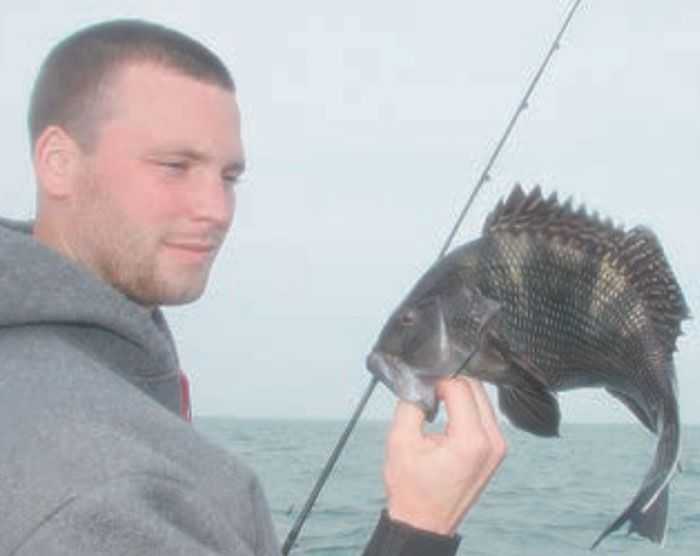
(127, 258)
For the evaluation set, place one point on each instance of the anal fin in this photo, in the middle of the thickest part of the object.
(532, 409)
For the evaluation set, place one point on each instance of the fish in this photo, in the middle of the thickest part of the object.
(547, 299)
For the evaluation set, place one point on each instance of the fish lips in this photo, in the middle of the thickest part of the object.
(406, 382)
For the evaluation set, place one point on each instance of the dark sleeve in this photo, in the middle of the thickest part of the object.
(394, 538)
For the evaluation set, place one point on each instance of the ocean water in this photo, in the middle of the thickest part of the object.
(551, 496)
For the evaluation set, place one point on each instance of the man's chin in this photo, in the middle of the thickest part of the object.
(166, 294)
(179, 285)
(182, 295)
(189, 297)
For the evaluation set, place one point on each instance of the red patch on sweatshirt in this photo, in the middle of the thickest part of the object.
(185, 404)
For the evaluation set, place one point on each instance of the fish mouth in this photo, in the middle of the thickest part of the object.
(404, 381)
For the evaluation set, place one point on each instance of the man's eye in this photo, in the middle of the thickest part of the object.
(175, 167)
(232, 180)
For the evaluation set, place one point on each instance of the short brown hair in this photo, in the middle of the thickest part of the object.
(67, 90)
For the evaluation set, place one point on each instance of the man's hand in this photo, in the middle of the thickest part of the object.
(432, 479)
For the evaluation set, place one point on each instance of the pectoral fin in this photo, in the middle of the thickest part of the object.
(531, 409)
(529, 370)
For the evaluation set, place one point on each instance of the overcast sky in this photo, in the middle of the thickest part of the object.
(366, 125)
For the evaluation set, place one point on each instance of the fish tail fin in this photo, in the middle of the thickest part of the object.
(652, 523)
(648, 512)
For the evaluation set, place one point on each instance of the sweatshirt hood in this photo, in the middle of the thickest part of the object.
(39, 286)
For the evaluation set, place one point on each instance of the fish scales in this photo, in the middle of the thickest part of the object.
(548, 299)
(559, 312)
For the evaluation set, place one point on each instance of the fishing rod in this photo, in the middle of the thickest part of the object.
(483, 178)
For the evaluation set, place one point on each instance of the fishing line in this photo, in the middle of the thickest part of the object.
(483, 178)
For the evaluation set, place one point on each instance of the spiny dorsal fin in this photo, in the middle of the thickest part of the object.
(637, 254)
(533, 214)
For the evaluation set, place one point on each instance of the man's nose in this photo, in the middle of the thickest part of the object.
(213, 200)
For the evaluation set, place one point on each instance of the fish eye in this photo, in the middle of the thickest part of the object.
(408, 318)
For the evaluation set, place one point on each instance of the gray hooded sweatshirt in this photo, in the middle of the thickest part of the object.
(94, 456)
(89, 464)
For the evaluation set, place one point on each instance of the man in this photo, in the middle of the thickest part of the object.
(136, 145)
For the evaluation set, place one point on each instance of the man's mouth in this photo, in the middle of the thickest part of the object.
(196, 247)
(192, 252)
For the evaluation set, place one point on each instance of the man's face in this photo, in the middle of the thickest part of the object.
(157, 196)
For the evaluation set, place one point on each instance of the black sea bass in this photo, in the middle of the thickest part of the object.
(549, 299)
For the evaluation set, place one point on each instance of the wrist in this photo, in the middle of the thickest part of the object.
(397, 538)
(419, 519)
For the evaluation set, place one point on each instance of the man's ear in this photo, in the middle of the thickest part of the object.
(57, 161)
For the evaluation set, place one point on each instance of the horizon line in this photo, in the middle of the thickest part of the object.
(388, 420)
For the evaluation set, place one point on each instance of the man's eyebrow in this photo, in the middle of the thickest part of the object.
(237, 166)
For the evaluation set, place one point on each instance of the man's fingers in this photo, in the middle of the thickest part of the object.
(408, 422)
(472, 422)
(488, 415)
(432, 479)
(489, 422)
(460, 405)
